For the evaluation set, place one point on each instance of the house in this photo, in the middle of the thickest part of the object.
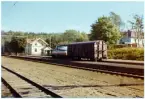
(37, 47)
(129, 37)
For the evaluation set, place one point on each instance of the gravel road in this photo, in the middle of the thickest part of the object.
(70, 82)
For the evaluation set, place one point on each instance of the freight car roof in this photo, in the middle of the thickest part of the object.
(85, 42)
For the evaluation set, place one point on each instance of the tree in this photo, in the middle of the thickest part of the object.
(74, 36)
(3, 32)
(70, 35)
(116, 19)
(104, 29)
(54, 39)
(5, 42)
(6, 47)
(82, 37)
(137, 27)
(67, 37)
(18, 44)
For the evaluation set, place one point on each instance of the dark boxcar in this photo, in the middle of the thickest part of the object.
(93, 50)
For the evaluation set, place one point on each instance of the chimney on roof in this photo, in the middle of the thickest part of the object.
(129, 33)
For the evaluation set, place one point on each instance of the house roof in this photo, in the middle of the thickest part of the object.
(30, 41)
(131, 34)
(47, 48)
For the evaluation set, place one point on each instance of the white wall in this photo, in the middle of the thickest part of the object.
(36, 46)
(141, 41)
(46, 50)
(133, 41)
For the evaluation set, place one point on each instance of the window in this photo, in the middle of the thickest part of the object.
(35, 43)
(35, 49)
(63, 48)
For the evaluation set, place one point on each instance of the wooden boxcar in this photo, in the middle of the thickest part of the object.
(93, 50)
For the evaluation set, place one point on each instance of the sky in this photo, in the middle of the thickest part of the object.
(59, 16)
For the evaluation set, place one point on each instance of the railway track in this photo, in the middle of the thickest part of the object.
(21, 86)
(56, 62)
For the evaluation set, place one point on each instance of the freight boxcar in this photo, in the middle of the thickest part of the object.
(93, 50)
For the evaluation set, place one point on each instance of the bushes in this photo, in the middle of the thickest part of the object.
(126, 53)
(118, 46)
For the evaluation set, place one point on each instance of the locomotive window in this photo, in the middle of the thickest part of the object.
(64, 48)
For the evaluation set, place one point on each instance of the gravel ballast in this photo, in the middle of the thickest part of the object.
(71, 82)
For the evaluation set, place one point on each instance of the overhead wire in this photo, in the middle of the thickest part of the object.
(14, 4)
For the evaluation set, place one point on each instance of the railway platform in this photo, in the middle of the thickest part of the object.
(124, 61)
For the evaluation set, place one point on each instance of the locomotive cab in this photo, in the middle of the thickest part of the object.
(59, 51)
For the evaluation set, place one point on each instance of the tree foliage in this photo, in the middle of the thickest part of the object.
(67, 37)
(53, 40)
(18, 44)
(116, 19)
(74, 36)
(104, 29)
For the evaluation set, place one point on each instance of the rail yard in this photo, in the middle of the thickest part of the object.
(64, 81)
(72, 50)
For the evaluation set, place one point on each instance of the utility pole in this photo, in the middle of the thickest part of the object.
(50, 41)
(27, 45)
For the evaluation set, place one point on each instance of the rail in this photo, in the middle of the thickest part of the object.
(46, 91)
(80, 66)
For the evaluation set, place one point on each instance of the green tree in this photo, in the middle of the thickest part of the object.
(54, 39)
(18, 44)
(5, 42)
(104, 29)
(116, 19)
(74, 36)
(70, 36)
(7, 47)
(67, 37)
(82, 37)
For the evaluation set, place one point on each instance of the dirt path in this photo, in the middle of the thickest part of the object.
(70, 82)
